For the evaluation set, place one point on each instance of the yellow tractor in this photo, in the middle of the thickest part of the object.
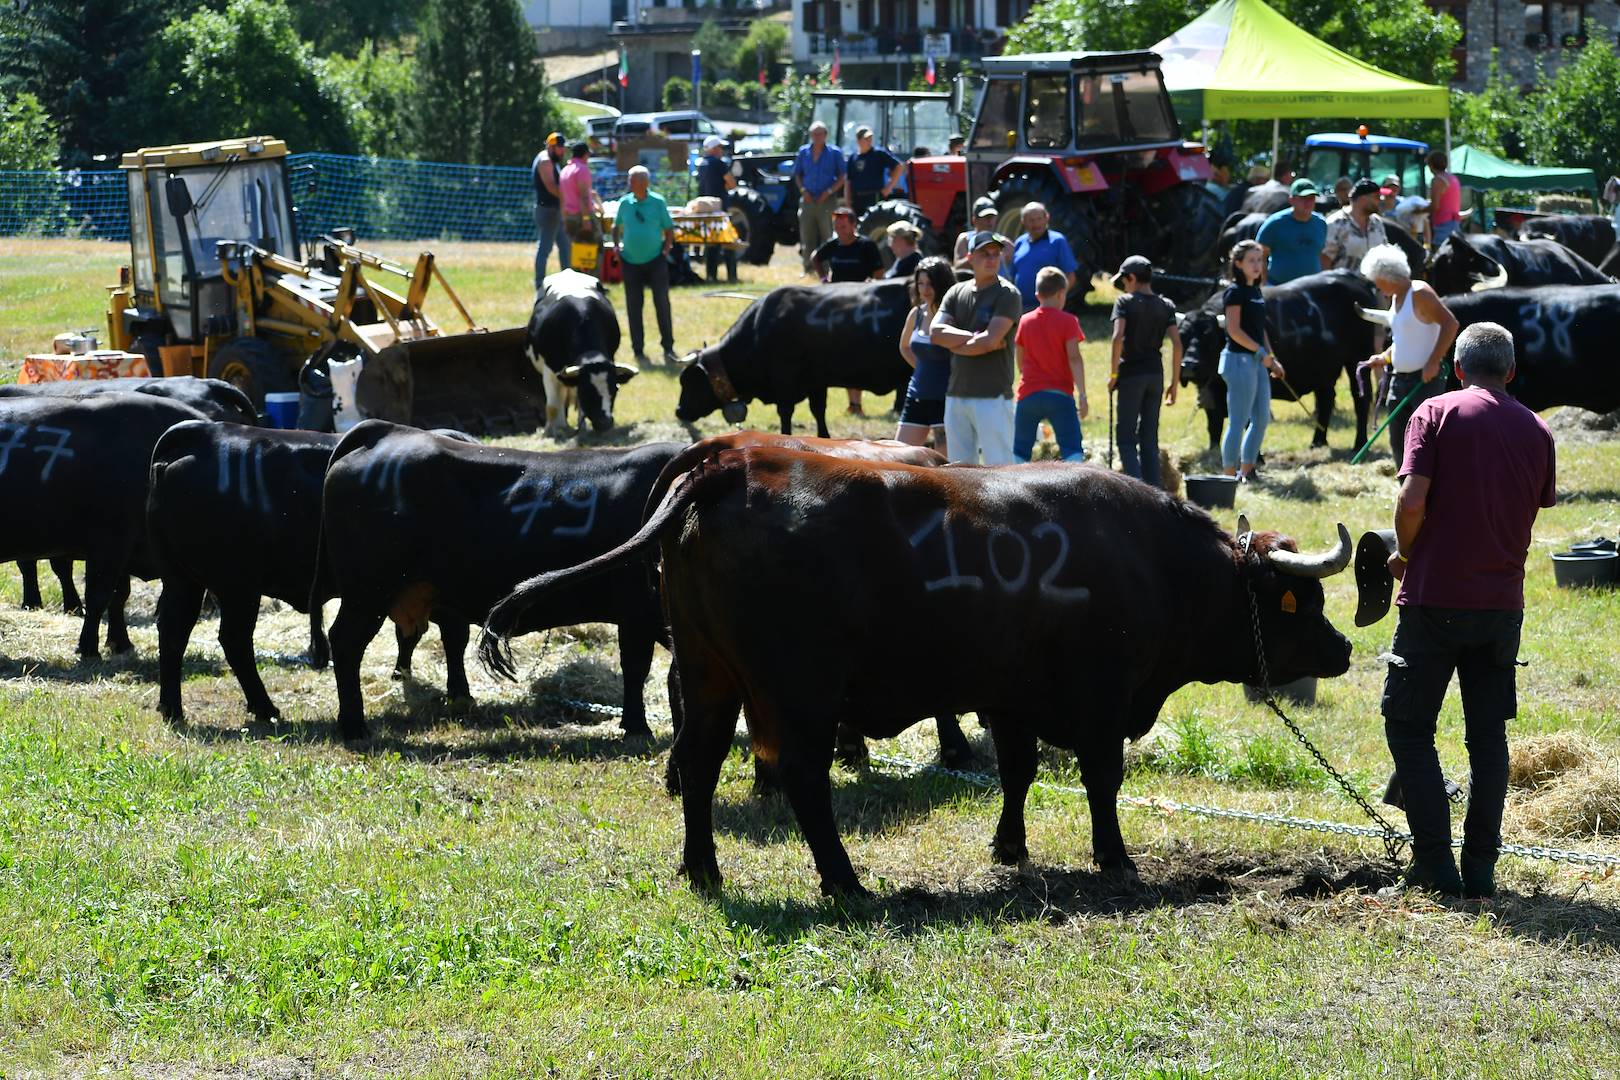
(218, 286)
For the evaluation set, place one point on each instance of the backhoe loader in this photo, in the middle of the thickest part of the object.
(218, 286)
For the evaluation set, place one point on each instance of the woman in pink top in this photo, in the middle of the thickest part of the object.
(578, 197)
(1445, 198)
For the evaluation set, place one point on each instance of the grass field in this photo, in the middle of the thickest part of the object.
(492, 892)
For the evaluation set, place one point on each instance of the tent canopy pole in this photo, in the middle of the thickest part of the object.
(1276, 130)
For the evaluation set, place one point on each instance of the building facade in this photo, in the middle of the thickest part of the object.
(873, 37)
(1525, 36)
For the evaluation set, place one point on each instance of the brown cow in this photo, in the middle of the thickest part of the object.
(1071, 602)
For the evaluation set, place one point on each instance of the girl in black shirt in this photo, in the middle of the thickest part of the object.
(1245, 360)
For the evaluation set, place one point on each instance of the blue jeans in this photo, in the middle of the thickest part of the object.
(1248, 407)
(1057, 409)
(548, 221)
(1139, 425)
(1441, 232)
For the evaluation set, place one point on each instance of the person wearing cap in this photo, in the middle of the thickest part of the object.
(716, 182)
(872, 175)
(956, 143)
(1141, 320)
(1477, 469)
(975, 322)
(1353, 229)
(1293, 237)
(579, 199)
(984, 220)
(546, 172)
(1040, 246)
(1389, 191)
(645, 233)
(848, 256)
(818, 171)
(903, 240)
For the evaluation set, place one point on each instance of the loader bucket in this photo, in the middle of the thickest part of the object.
(482, 383)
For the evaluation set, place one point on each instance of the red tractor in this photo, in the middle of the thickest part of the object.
(1090, 135)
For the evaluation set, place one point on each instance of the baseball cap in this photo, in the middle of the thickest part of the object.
(842, 211)
(1301, 188)
(713, 141)
(554, 139)
(863, 132)
(983, 205)
(980, 239)
(1136, 265)
(1364, 186)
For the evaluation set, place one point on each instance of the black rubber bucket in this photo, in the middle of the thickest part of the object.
(1298, 692)
(1588, 568)
(1212, 492)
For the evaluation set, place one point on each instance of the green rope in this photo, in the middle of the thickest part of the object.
(1444, 377)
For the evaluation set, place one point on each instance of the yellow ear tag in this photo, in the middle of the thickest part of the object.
(1288, 604)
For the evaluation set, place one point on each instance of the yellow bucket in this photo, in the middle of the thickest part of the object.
(585, 253)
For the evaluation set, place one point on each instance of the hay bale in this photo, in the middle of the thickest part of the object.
(1170, 474)
(1539, 760)
(1585, 802)
(1564, 204)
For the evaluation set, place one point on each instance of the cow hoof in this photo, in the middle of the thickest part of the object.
(400, 674)
(172, 714)
(962, 759)
(33, 605)
(845, 893)
(355, 738)
(119, 646)
(269, 715)
(1123, 874)
(89, 654)
(72, 609)
(766, 783)
(705, 880)
(635, 729)
(1009, 853)
(672, 782)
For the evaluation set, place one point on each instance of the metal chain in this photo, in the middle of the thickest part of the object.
(1171, 806)
(1393, 840)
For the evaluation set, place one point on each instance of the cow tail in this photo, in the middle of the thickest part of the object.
(494, 644)
(320, 653)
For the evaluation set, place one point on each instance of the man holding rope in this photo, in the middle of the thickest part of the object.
(1421, 330)
(1477, 468)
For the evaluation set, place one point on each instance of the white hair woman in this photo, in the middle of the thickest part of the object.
(1421, 330)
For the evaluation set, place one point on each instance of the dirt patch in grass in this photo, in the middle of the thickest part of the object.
(1575, 427)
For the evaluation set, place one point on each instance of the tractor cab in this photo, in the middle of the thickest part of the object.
(1356, 154)
(902, 121)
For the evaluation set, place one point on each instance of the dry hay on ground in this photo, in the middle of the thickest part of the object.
(1169, 474)
(1577, 427)
(1569, 786)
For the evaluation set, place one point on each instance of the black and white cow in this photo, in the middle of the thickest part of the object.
(415, 526)
(795, 342)
(236, 511)
(572, 337)
(1315, 330)
(214, 398)
(73, 475)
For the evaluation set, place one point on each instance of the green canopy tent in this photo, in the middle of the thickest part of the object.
(1487, 172)
(1242, 60)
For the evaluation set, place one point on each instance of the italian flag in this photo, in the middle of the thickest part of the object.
(624, 67)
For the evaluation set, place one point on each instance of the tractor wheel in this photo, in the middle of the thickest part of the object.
(751, 215)
(1190, 217)
(1072, 215)
(253, 367)
(874, 225)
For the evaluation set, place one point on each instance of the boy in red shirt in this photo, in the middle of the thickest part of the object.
(1048, 349)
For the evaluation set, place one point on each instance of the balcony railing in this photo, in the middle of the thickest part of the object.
(884, 44)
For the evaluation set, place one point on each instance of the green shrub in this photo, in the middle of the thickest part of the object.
(677, 92)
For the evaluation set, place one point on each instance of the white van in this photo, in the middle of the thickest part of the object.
(690, 125)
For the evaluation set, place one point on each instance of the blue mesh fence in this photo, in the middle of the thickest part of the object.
(382, 199)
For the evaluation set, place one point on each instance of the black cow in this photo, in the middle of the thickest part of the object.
(417, 526)
(795, 342)
(1266, 198)
(73, 477)
(1591, 236)
(1474, 263)
(1563, 341)
(214, 398)
(236, 511)
(1315, 331)
(572, 337)
(1077, 601)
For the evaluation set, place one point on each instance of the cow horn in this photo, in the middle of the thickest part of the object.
(573, 371)
(1181, 317)
(1495, 281)
(626, 370)
(1243, 525)
(1325, 564)
(1376, 316)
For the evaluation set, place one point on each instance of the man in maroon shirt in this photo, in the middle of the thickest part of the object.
(1478, 466)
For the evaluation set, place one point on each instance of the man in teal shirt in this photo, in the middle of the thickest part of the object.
(644, 233)
(1294, 238)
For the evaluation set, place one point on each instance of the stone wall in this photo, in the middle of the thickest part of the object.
(1507, 25)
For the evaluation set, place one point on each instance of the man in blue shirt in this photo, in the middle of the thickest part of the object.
(1293, 238)
(644, 233)
(818, 170)
(873, 173)
(1039, 247)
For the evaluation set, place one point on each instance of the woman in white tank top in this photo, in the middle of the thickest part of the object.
(1421, 330)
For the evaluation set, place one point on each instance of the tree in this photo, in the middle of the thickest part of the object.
(677, 93)
(1572, 119)
(791, 101)
(377, 89)
(347, 26)
(762, 46)
(1494, 118)
(719, 50)
(482, 96)
(28, 138)
(79, 58)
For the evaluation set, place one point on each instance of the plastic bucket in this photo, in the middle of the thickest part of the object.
(1212, 492)
(282, 408)
(1576, 569)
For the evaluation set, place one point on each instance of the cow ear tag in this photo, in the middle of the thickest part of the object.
(1289, 604)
